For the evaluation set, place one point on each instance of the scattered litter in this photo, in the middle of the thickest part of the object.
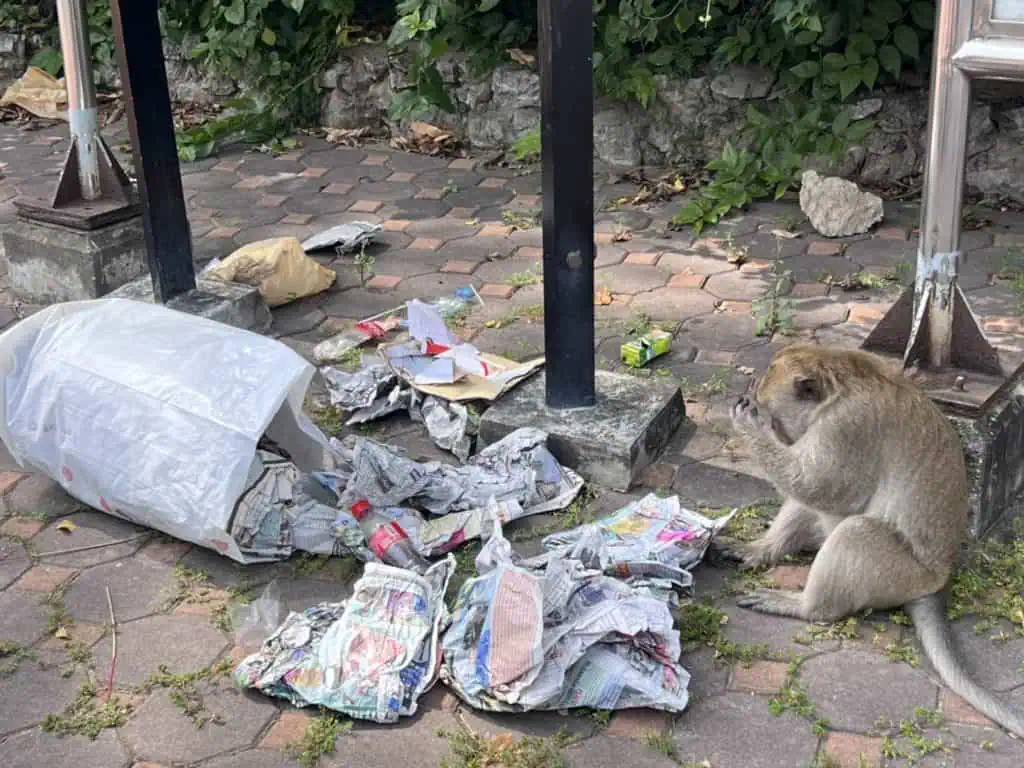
(652, 538)
(278, 267)
(62, 633)
(334, 349)
(746, 370)
(562, 638)
(113, 646)
(158, 421)
(603, 297)
(252, 623)
(66, 526)
(343, 237)
(38, 92)
(640, 352)
(370, 657)
(347, 137)
(387, 539)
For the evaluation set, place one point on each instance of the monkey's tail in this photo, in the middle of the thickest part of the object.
(930, 622)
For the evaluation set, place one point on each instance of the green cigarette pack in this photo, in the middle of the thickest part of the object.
(640, 352)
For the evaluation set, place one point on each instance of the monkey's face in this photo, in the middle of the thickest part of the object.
(789, 394)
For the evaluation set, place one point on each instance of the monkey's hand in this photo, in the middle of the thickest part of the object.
(746, 418)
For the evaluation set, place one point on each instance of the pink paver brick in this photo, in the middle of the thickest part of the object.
(891, 233)
(297, 218)
(271, 201)
(687, 281)
(863, 315)
(429, 193)
(222, 233)
(492, 183)
(715, 357)
(22, 527)
(425, 244)
(495, 230)
(759, 677)
(497, 291)
(462, 164)
(790, 576)
(959, 711)
(604, 238)
(459, 267)
(384, 282)
(636, 723)
(44, 578)
(337, 188)
(228, 166)
(290, 728)
(736, 307)
(643, 258)
(10, 479)
(1013, 325)
(755, 266)
(824, 248)
(659, 475)
(375, 160)
(396, 225)
(366, 206)
(401, 177)
(530, 252)
(531, 201)
(851, 750)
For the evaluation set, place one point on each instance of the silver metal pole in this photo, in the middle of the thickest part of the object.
(938, 256)
(82, 117)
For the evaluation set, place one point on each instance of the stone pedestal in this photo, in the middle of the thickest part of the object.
(48, 262)
(233, 304)
(609, 444)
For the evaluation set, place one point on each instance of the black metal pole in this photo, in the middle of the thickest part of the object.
(566, 34)
(140, 59)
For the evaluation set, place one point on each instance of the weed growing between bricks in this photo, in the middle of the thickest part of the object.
(11, 656)
(908, 740)
(85, 716)
(183, 690)
(793, 698)
(990, 585)
(702, 624)
(471, 750)
(57, 616)
(318, 740)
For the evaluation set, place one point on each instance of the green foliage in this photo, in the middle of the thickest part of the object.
(526, 148)
(775, 146)
(48, 60)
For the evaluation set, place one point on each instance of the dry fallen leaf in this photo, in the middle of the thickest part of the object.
(426, 139)
(603, 297)
(62, 634)
(784, 234)
(66, 526)
(347, 137)
(622, 236)
(519, 56)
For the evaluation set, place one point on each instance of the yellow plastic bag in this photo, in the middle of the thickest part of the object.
(40, 93)
(278, 267)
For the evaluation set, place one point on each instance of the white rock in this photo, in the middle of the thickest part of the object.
(836, 207)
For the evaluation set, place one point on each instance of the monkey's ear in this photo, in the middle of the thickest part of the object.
(807, 388)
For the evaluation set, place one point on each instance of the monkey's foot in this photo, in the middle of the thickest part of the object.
(774, 602)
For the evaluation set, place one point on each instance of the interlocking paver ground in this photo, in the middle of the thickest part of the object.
(457, 213)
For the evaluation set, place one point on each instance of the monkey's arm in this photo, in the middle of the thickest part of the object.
(807, 471)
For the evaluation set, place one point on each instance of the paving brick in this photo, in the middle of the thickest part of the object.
(34, 748)
(609, 751)
(530, 201)
(31, 692)
(462, 164)
(808, 290)
(863, 314)
(994, 665)
(497, 291)
(853, 689)
(459, 267)
(401, 177)
(297, 218)
(462, 213)
(222, 233)
(137, 587)
(165, 550)
(958, 710)
(271, 201)
(376, 160)
(755, 266)
(289, 728)
(91, 528)
(8, 480)
(824, 248)
(815, 313)
(366, 206)
(644, 258)
(891, 233)
(740, 307)
(158, 732)
(21, 527)
(495, 230)
(692, 281)
(736, 729)
(529, 252)
(396, 225)
(492, 183)
(759, 677)
(739, 286)
(637, 723)
(429, 193)
(851, 750)
(25, 618)
(14, 561)
(44, 578)
(790, 576)
(425, 244)
(228, 166)
(604, 238)
(715, 357)
(336, 188)
(383, 282)
(1014, 325)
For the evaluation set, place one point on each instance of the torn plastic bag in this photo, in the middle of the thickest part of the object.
(370, 657)
(252, 623)
(154, 415)
(652, 538)
(343, 237)
(518, 467)
(563, 638)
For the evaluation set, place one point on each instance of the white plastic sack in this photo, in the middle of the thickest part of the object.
(151, 414)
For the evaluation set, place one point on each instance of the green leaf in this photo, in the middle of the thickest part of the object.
(834, 62)
(869, 73)
(296, 5)
(805, 70)
(841, 123)
(890, 60)
(661, 57)
(235, 13)
(805, 37)
(906, 40)
(849, 81)
(875, 26)
(48, 60)
(269, 37)
(487, 5)
(923, 15)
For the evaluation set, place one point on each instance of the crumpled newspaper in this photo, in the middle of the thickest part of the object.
(648, 541)
(375, 391)
(278, 514)
(343, 237)
(562, 638)
(370, 657)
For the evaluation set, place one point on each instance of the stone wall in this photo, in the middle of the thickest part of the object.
(687, 123)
